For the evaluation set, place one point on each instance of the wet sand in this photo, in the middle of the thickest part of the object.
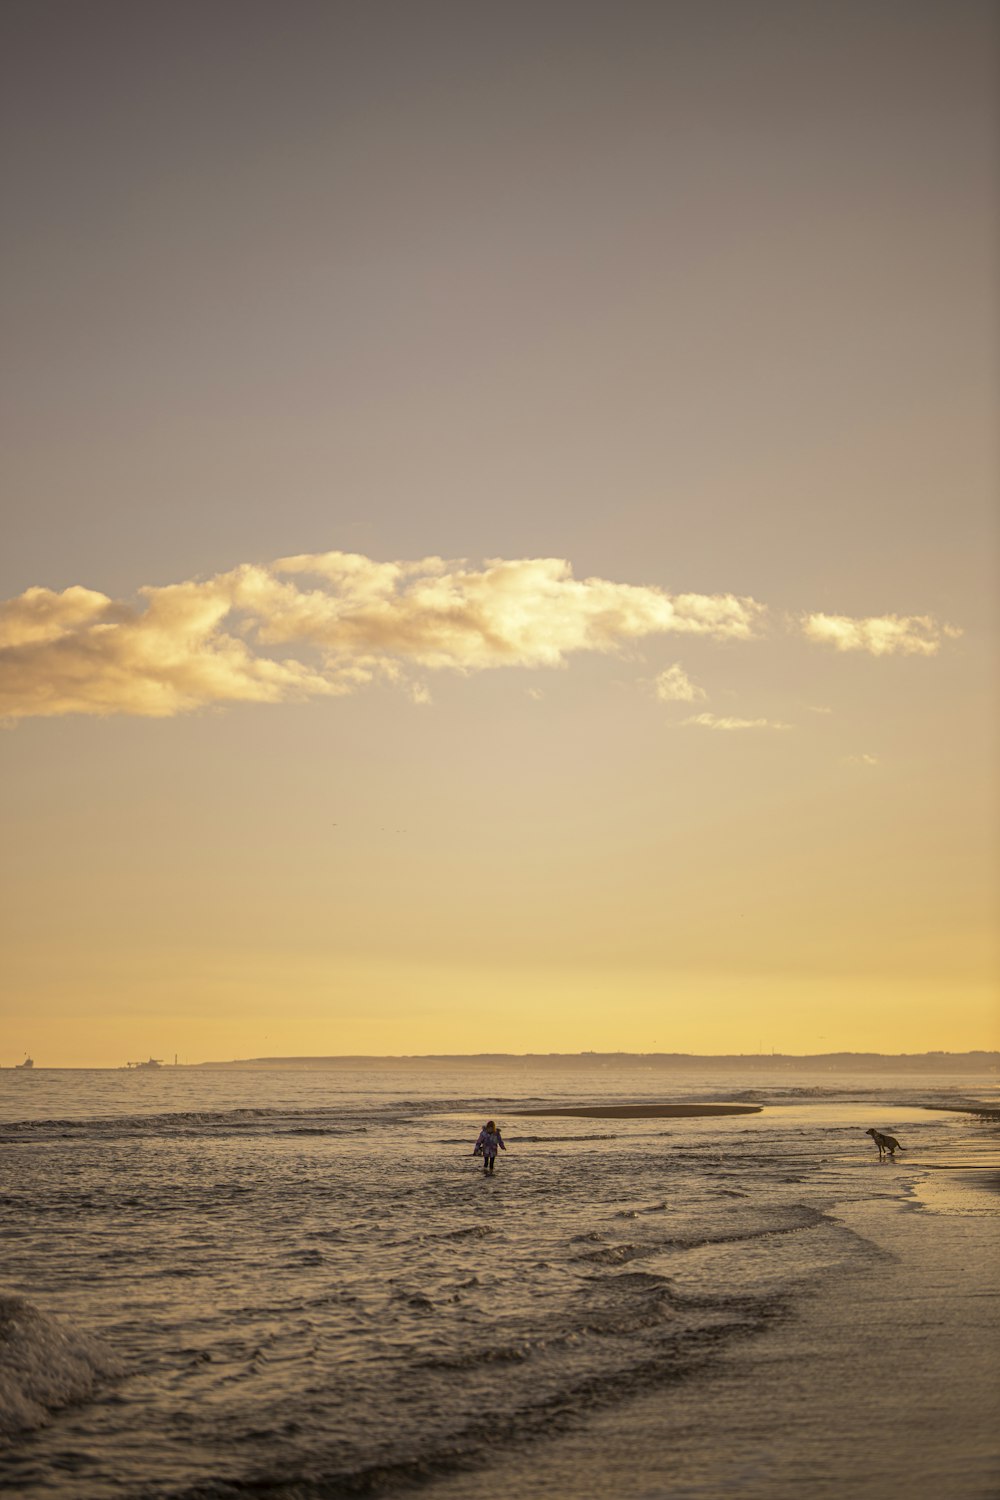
(971, 1175)
(883, 1384)
(640, 1111)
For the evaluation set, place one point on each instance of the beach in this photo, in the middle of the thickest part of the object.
(301, 1285)
(882, 1383)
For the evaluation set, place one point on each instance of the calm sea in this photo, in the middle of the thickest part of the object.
(300, 1284)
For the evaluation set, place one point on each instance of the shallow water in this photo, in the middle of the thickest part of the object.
(302, 1283)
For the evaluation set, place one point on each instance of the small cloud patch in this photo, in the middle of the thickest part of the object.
(714, 721)
(675, 686)
(879, 635)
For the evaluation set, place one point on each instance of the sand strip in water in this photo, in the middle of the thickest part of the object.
(641, 1111)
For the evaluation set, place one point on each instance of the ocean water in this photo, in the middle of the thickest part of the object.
(300, 1284)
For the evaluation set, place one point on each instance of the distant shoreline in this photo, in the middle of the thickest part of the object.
(969, 1063)
(914, 1062)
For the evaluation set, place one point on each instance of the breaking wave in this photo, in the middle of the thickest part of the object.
(44, 1365)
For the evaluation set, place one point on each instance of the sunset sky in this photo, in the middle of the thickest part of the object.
(500, 527)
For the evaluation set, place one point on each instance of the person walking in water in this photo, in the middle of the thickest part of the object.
(486, 1146)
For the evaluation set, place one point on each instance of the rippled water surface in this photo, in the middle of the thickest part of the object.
(302, 1283)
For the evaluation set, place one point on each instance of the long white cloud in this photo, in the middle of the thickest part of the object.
(327, 623)
(321, 624)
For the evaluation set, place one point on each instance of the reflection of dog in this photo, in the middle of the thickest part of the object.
(887, 1144)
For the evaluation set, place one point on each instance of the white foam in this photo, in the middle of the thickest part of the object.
(45, 1364)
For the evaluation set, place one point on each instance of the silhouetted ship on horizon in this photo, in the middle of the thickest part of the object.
(29, 1062)
(151, 1062)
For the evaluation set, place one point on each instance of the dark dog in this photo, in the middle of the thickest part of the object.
(887, 1144)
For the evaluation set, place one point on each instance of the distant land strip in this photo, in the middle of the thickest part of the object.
(896, 1062)
(643, 1111)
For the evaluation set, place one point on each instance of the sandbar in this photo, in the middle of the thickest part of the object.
(640, 1111)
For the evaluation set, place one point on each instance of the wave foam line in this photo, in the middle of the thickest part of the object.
(44, 1365)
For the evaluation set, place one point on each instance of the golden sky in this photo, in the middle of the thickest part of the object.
(500, 529)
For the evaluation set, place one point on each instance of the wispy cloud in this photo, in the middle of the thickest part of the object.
(864, 759)
(713, 721)
(325, 623)
(880, 635)
(675, 686)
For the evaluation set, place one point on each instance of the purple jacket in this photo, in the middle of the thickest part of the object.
(488, 1142)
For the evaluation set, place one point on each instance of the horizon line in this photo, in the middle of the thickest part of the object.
(590, 1053)
(988, 1058)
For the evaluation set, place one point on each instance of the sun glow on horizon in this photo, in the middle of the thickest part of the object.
(501, 544)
